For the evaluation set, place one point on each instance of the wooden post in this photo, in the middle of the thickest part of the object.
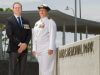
(57, 57)
(86, 31)
(63, 36)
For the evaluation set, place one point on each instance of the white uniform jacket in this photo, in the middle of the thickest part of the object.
(44, 35)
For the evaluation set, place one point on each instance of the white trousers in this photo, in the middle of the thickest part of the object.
(47, 63)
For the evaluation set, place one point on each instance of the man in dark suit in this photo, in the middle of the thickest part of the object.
(19, 33)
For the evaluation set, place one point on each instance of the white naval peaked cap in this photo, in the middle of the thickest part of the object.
(44, 6)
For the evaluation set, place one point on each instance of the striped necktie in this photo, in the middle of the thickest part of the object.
(20, 21)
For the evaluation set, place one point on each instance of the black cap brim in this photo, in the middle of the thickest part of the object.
(47, 8)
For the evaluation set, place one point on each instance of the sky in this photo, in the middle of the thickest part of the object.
(90, 8)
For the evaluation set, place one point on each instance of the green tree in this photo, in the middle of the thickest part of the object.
(1, 9)
(8, 10)
(2, 27)
(1, 47)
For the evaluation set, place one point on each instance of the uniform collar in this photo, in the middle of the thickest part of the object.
(44, 18)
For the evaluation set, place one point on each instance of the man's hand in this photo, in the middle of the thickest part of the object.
(50, 52)
(23, 46)
(19, 44)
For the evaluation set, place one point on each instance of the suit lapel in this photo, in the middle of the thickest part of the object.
(16, 22)
(23, 22)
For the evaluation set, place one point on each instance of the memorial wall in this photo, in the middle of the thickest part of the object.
(79, 58)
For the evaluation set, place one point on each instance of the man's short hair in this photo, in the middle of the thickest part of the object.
(17, 3)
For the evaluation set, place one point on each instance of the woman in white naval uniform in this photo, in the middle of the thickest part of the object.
(44, 47)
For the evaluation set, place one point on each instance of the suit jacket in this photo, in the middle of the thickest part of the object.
(17, 34)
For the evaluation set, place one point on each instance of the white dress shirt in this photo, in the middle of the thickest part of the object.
(17, 18)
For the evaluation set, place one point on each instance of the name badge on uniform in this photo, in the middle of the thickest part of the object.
(26, 26)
